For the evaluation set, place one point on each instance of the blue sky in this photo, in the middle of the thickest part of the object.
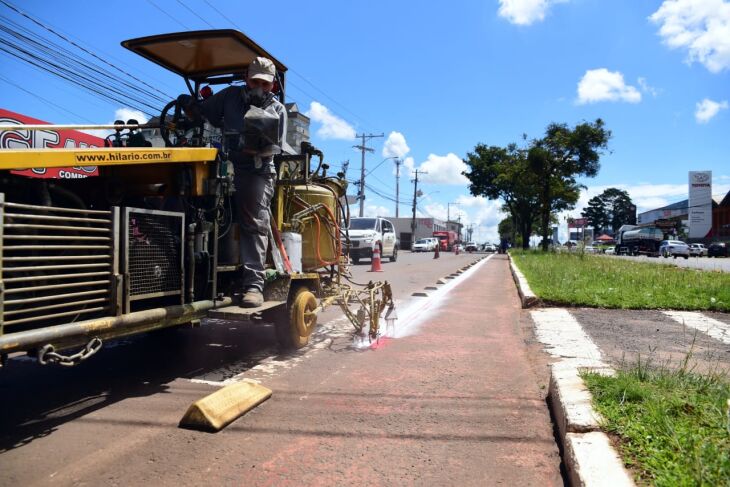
(446, 76)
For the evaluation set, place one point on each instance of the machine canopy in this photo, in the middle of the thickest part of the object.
(203, 54)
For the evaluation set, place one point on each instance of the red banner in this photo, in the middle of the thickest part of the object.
(46, 139)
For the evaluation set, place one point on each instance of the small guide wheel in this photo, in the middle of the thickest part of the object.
(294, 326)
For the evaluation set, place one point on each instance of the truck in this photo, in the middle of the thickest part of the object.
(447, 239)
(148, 237)
(636, 240)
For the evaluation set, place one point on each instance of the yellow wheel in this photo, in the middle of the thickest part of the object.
(294, 328)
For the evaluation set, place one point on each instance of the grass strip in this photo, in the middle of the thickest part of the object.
(672, 425)
(577, 279)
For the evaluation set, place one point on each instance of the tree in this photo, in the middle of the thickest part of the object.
(504, 173)
(558, 158)
(596, 214)
(610, 209)
(620, 208)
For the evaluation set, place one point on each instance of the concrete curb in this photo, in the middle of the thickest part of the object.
(590, 459)
(527, 297)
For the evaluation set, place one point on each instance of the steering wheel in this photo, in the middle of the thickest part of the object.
(164, 128)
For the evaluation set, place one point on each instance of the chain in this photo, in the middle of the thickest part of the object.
(48, 355)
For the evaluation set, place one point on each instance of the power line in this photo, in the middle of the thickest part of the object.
(195, 13)
(46, 100)
(40, 24)
(168, 15)
(295, 73)
(48, 53)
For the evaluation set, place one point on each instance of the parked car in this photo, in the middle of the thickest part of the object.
(698, 250)
(589, 249)
(471, 247)
(610, 251)
(490, 248)
(423, 245)
(367, 234)
(674, 248)
(717, 249)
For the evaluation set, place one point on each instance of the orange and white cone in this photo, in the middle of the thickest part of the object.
(375, 266)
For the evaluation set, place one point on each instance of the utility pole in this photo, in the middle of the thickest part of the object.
(448, 213)
(398, 162)
(364, 149)
(458, 227)
(415, 195)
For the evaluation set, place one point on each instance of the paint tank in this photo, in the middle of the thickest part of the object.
(319, 242)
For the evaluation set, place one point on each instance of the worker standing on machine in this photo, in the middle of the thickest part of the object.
(254, 127)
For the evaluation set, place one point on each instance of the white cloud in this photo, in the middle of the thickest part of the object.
(603, 85)
(702, 27)
(409, 164)
(377, 210)
(395, 145)
(443, 169)
(124, 114)
(525, 12)
(646, 88)
(707, 109)
(333, 127)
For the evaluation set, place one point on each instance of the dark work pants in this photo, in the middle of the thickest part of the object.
(253, 199)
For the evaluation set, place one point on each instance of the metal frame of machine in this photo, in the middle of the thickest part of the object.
(197, 181)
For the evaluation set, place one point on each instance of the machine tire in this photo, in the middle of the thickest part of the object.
(664, 254)
(394, 257)
(686, 257)
(293, 326)
(355, 260)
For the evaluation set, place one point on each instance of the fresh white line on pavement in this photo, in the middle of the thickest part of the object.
(564, 338)
(710, 326)
(419, 309)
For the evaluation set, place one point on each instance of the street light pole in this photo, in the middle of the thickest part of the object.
(398, 162)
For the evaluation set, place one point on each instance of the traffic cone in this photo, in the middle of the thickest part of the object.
(375, 265)
(436, 252)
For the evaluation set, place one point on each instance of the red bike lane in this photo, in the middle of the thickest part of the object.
(455, 403)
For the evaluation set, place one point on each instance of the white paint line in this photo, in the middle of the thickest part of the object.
(419, 310)
(564, 338)
(710, 326)
(269, 364)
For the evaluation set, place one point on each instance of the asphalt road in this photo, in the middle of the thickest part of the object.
(431, 406)
(704, 263)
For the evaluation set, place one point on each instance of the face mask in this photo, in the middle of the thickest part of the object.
(256, 96)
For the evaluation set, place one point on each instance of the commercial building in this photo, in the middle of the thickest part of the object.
(297, 128)
(424, 228)
(679, 213)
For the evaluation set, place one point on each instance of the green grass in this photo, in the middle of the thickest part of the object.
(575, 279)
(672, 426)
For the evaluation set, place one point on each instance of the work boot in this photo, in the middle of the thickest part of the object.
(252, 298)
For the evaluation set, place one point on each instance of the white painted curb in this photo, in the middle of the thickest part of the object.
(591, 461)
(527, 297)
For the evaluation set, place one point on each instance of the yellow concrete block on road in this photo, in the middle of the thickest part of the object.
(216, 411)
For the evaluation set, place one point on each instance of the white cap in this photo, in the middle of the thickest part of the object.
(262, 68)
